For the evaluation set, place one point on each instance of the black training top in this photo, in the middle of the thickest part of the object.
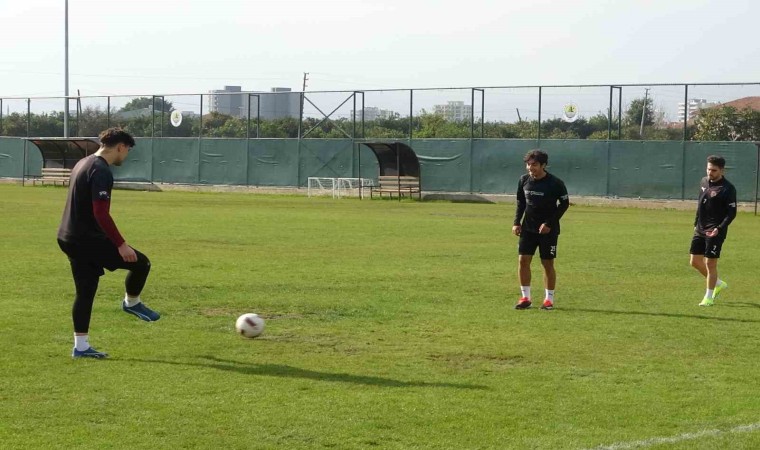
(542, 201)
(717, 205)
(91, 179)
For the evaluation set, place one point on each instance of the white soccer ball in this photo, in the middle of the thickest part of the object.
(249, 325)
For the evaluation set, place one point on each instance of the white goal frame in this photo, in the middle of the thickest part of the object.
(321, 186)
(348, 186)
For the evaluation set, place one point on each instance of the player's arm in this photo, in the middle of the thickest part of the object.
(519, 209)
(102, 212)
(563, 203)
(101, 209)
(101, 183)
(731, 202)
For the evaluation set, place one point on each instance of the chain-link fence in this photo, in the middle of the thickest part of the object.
(656, 112)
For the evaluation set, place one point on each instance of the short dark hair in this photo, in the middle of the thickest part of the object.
(115, 136)
(716, 160)
(537, 156)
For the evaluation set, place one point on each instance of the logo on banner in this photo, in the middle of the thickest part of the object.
(570, 112)
(176, 118)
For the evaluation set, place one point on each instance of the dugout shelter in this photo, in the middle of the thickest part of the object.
(59, 156)
(395, 158)
(399, 169)
(64, 153)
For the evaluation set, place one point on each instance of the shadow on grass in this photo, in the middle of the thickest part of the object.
(660, 314)
(740, 305)
(280, 370)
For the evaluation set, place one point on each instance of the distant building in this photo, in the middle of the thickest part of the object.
(454, 111)
(227, 101)
(373, 113)
(277, 103)
(752, 103)
(695, 104)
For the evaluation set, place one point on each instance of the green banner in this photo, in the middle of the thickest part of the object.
(628, 169)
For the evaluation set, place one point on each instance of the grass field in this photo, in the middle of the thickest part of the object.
(389, 325)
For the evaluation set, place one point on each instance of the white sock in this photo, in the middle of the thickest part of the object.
(81, 342)
(709, 293)
(550, 295)
(131, 301)
(525, 291)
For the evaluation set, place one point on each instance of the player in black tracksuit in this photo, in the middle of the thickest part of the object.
(715, 212)
(89, 237)
(541, 201)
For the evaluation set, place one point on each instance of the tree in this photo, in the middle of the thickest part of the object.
(14, 124)
(146, 103)
(726, 123)
(91, 121)
(635, 108)
(216, 124)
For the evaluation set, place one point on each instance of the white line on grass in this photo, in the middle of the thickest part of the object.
(680, 438)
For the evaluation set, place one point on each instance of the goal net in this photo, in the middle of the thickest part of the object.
(322, 186)
(354, 187)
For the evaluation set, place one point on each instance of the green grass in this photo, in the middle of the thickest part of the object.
(389, 325)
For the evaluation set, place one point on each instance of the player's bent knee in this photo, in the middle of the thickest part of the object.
(143, 260)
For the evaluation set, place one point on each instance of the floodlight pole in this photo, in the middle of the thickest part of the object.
(66, 73)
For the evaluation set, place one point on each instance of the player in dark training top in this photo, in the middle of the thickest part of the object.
(89, 237)
(716, 209)
(541, 201)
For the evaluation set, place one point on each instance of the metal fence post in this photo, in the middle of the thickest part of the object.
(685, 109)
(28, 116)
(757, 176)
(538, 139)
(411, 115)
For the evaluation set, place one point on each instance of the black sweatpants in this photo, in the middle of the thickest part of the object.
(88, 261)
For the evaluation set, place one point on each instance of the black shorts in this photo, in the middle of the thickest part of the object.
(88, 259)
(708, 246)
(546, 244)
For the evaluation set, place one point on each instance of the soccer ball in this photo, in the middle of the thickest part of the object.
(249, 325)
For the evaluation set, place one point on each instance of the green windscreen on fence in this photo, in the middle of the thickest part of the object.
(273, 162)
(329, 158)
(12, 157)
(582, 165)
(223, 161)
(629, 169)
(647, 169)
(741, 166)
(445, 164)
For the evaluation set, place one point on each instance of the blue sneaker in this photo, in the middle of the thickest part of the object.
(89, 353)
(141, 311)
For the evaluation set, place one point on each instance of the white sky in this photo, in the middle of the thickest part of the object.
(163, 47)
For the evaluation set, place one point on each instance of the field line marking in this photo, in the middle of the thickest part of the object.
(680, 438)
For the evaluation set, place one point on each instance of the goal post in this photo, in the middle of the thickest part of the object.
(348, 187)
(322, 186)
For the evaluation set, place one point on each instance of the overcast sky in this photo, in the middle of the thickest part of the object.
(155, 46)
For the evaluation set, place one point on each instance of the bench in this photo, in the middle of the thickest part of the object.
(399, 185)
(55, 175)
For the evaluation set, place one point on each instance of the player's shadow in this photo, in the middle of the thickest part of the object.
(741, 305)
(284, 371)
(662, 314)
